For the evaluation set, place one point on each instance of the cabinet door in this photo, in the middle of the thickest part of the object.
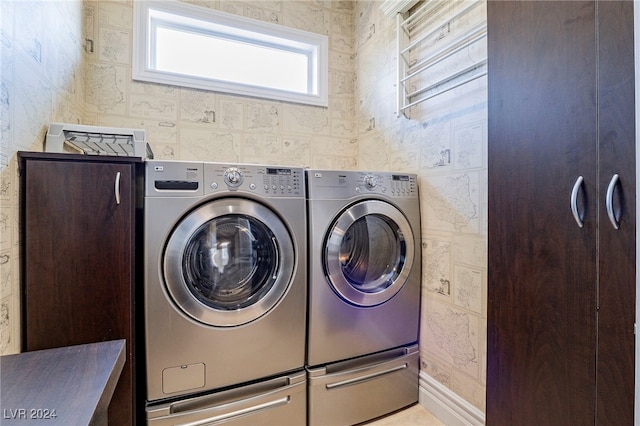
(599, 73)
(78, 260)
(616, 275)
(541, 333)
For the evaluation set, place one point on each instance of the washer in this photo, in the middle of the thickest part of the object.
(225, 280)
(364, 294)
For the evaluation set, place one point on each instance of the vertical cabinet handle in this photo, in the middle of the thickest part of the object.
(117, 188)
(574, 201)
(609, 201)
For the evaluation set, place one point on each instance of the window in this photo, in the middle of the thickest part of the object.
(186, 45)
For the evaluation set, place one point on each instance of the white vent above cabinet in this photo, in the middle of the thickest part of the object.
(97, 140)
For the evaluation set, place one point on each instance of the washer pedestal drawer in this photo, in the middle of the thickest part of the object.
(277, 402)
(357, 390)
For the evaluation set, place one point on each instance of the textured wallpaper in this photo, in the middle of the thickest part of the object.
(444, 141)
(69, 61)
(41, 80)
(186, 124)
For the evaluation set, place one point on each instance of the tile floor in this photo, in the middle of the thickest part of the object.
(416, 415)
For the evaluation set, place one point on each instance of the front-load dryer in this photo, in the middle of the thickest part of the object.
(364, 294)
(225, 276)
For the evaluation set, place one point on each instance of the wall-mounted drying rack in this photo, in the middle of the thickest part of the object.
(421, 33)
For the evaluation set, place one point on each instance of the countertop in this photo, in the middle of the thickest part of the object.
(63, 386)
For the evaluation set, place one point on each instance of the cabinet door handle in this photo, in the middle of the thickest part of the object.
(574, 201)
(117, 188)
(609, 201)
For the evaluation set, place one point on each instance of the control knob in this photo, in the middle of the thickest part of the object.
(233, 177)
(370, 181)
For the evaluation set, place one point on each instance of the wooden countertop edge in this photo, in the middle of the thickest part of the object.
(76, 382)
(100, 413)
(39, 155)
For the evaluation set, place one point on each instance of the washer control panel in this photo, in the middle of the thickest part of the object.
(273, 181)
(166, 178)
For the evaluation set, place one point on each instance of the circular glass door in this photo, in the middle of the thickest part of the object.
(229, 262)
(369, 253)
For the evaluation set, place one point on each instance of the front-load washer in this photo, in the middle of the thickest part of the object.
(364, 293)
(225, 277)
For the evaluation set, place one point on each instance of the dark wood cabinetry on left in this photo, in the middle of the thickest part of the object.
(78, 268)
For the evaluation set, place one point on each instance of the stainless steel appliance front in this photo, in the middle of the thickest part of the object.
(225, 275)
(235, 256)
(353, 391)
(280, 401)
(364, 294)
(364, 263)
(369, 253)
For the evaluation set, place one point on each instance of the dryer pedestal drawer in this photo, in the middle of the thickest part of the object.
(358, 390)
(276, 402)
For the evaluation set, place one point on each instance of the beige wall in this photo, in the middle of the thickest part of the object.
(46, 75)
(193, 124)
(445, 142)
(41, 80)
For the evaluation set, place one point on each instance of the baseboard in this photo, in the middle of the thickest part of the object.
(446, 405)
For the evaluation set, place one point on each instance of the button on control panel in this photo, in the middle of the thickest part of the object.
(403, 185)
(370, 181)
(233, 177)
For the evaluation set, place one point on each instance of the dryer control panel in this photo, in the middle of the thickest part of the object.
(390, 184)
(328, 184)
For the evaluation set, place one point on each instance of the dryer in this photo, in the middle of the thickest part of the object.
(224, 287)
(364, 294)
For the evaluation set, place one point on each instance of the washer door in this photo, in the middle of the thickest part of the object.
(229, 262)
(369, 253)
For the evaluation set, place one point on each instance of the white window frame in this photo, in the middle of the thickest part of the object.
(204, 20)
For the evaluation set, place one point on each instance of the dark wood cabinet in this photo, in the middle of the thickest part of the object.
(561, 297)
(78, 223)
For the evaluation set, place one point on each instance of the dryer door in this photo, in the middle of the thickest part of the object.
(229, 262)
(369, 253)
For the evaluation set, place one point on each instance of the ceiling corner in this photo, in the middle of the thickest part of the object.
(392, 7)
